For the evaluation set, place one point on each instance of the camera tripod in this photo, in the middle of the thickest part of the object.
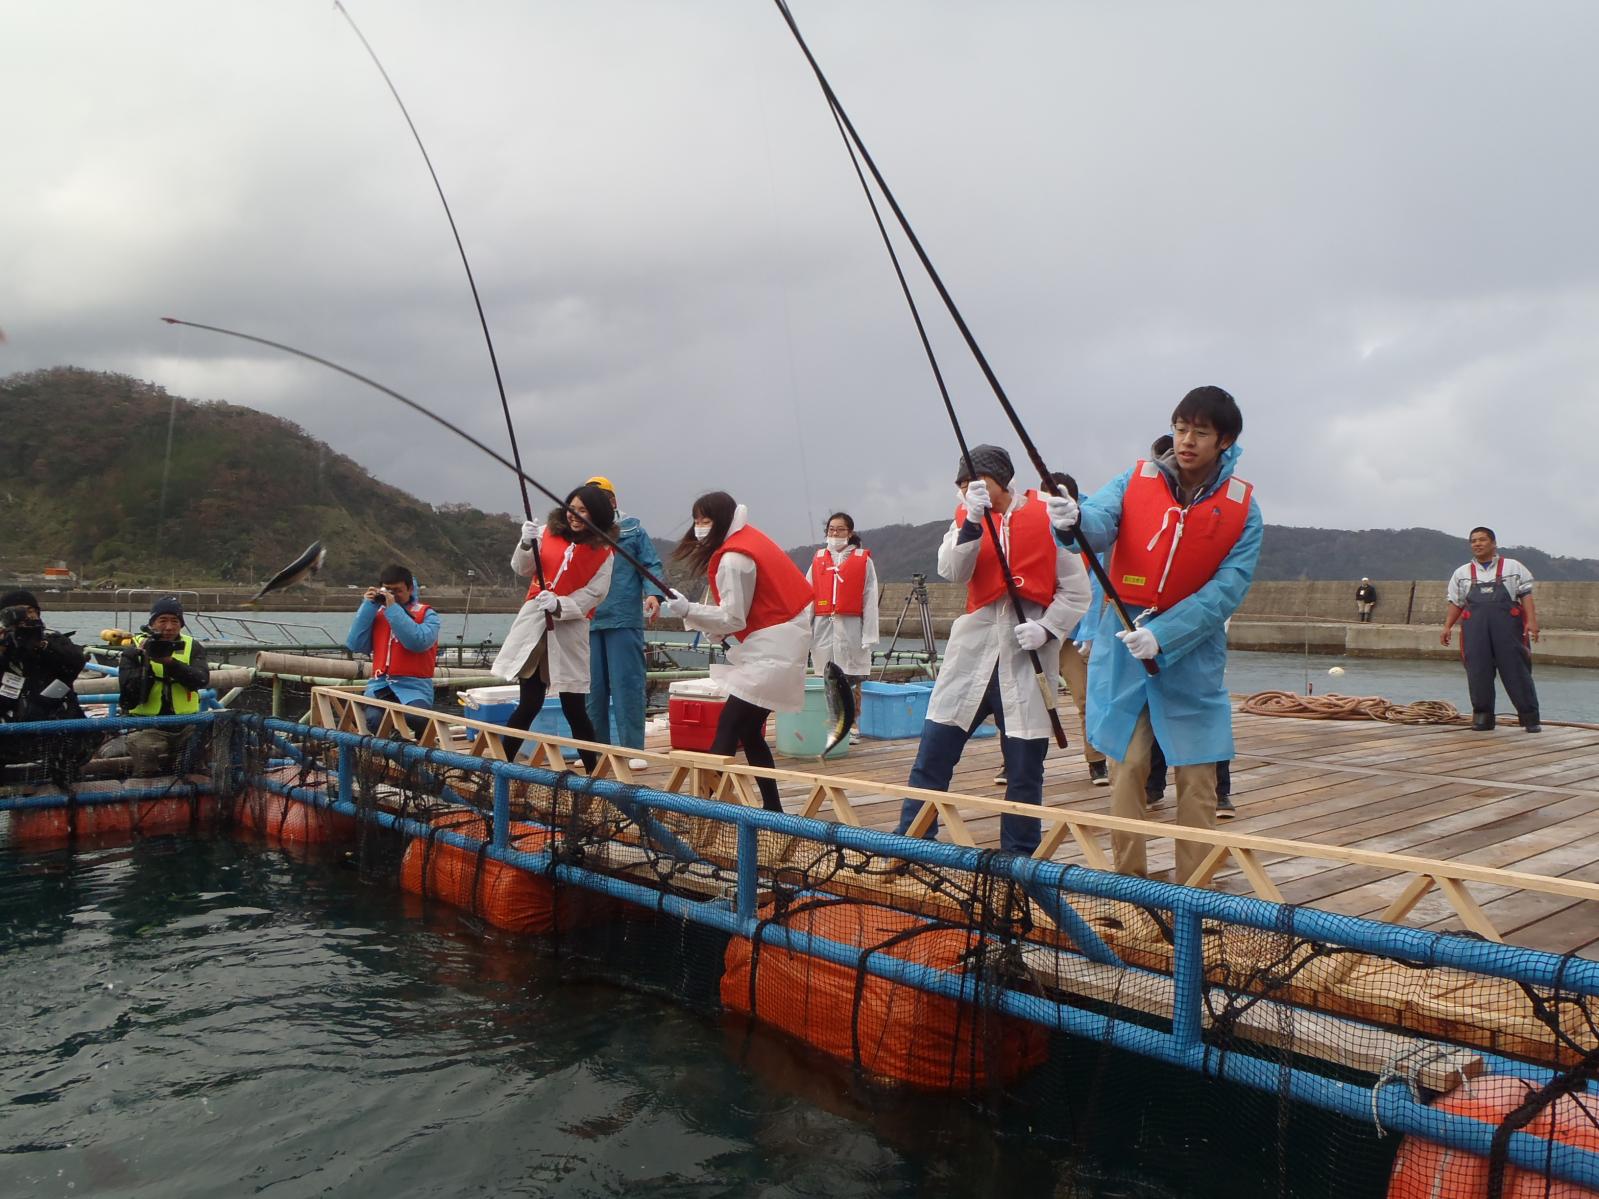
(916, 595)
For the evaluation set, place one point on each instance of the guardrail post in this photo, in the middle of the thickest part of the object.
(502, 810)
(1188, 976)
(749, 866)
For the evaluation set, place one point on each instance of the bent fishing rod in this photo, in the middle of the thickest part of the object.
(494, 361)
(1011, 590)
(853, 139)
(527, 479)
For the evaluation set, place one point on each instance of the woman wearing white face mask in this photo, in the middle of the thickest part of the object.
(843, 582)
(759, 599)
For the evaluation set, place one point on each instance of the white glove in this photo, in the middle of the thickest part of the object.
(1140, 643)
(1030, 635)
(530, 531)
(1085, 648)
(676, 605)
(1063, 511)
(546, 601)
(977, 501)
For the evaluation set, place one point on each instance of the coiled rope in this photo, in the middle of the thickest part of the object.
(1351, 707)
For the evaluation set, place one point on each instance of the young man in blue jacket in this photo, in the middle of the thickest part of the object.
(1184, 534)
(616, 634)
(402, 635)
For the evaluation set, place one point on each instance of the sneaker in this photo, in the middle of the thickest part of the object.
(637, 764)
(1000, 780)
(1098, 774)
(1224, 808)
(1153, 799)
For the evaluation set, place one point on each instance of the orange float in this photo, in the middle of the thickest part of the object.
(888, 1029)
(117, 821)
(506, 897)
(286, 821)
(1426, 1170)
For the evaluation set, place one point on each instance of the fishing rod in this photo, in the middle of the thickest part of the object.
(494, 361)
(1044, 689)
(527, 479)
(841, 117)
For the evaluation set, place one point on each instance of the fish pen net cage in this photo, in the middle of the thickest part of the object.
(1118, 1036)
(1118, 1033)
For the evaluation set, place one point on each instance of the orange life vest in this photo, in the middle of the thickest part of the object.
(1029, 542)
(390, 657)
(839, 589)
(781, 592)
(1165, 552)
(568, 565)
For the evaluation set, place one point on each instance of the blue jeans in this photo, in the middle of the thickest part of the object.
(616, 684)
(941, 749)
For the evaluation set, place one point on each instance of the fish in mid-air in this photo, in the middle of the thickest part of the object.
(298, 571)
(841, 706)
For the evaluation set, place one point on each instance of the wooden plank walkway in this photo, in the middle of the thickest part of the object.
(1504, 799)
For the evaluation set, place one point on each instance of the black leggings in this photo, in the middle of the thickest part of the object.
(743, 725)
(573, 706)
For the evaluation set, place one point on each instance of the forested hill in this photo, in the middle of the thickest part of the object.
(1288, 553)
(83, 457)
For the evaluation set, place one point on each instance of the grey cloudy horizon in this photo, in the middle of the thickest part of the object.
(1368, 221)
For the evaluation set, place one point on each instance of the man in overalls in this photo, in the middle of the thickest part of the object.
(1492, 595)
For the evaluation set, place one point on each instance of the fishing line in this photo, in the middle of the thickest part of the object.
(494, 361)
(437, 419)
(854, 137)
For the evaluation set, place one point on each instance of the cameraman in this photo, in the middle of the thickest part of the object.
(161, 674)
(402, 635)
(37, 670)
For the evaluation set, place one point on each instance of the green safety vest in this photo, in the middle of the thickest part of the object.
(184, 701)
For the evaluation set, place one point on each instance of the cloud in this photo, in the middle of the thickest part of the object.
(1368, 223)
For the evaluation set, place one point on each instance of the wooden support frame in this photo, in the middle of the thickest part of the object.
(840, 798)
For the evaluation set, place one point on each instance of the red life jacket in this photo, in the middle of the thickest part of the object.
(564, 574)
(390, 657)
(839, 589)
(1165, 552)
(1029, 542)
(781, 592)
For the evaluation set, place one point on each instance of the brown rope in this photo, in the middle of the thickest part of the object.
(1351, 707)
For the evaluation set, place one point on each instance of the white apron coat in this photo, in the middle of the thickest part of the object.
(767, 668)
(569, 643)
(987, 636)
(847, 640)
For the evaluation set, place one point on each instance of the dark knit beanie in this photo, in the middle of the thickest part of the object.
(990, 461)
(18, 599)
(167, 605)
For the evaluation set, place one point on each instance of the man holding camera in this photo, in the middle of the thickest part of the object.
(161, 674)
(402, 635)
(37, 670)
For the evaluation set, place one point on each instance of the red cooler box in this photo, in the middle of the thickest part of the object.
(693, 707)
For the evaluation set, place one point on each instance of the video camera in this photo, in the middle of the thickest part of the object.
(18, 628)
(158, 647)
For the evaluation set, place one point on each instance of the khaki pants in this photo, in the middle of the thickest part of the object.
(1196, 804)
(1074, 673)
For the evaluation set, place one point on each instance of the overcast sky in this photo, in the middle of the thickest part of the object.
(1372, 222)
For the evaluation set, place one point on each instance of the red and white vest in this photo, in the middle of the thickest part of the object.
(568, 565)
(781, 592)
(1165, 552)
(839, 588)
(390, 657)
(1029, 543)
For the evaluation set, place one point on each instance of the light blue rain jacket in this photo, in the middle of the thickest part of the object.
(1187, 700)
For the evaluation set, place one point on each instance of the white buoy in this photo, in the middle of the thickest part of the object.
(1335, 671)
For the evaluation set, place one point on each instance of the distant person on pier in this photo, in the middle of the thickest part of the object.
(402, 635)
(1492, 598)
(547, 648)
(760, 599)
(161, 674)
(844, 593)
(1185, 536)
(616, 633)
(988, 666)
(1365, 600)
(37, 670)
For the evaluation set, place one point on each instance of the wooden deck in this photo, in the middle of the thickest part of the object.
(1505, 799)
